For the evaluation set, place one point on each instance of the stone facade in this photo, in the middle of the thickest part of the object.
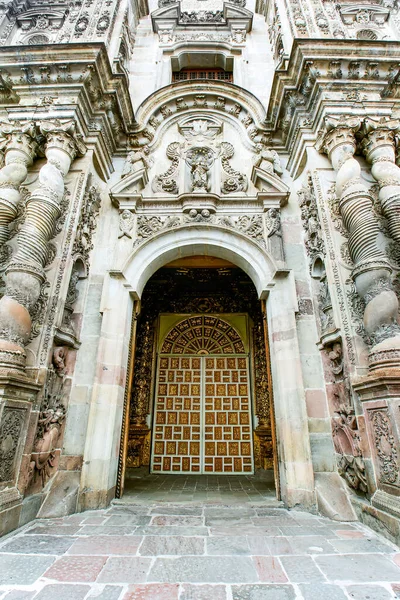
(264, 134)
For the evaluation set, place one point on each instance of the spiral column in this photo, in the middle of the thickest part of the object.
(379, 145)
(372, 272)
(25, 274)
(19, 145)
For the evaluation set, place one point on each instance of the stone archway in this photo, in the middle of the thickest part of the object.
(121, 299)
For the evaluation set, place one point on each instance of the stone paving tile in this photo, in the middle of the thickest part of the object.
(127, 520)
(106, 545)
(396, 590)
(353, 534)
(108, 592)
(76, 568)
(38, 544)
(269, 569)
(177, 510)
(63, 592)
(358, 568)
(321, 591)
(134, 509)
(94, 521)
(243, 530)
(291, 531)
(368, 592)
(308, 544)
(203, 592)
(228, 545)
(221, 522)
(16, 569)
(53, 530)
(207, 569)
(181, 521)
(171, 545)
(124, 569)
(172, 530)
(105, 530)
(19, 595)
(263, 592)
(153, 591)
(301, 569)
(361, 546)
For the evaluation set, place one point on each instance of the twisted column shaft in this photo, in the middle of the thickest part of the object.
(372, 271)
(18, 142)
(379, 148)
(25, 274)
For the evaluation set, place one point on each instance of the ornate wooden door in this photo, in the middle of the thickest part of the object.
(202, 417)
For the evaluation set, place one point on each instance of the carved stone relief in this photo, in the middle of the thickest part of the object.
(385, 446)
(12, 423)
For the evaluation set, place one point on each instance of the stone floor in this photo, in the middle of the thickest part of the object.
(197, 549)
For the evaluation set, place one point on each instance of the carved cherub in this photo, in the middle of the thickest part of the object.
(273, 222)
(59, 357)
(125, 224)
(135, 156)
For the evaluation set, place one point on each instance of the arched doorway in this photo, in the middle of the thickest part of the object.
(122, 300)
(201, 394)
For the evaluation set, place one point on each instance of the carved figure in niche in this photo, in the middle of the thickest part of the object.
(268, 160)
(43, 456)
(126, 219)
(200, 161)
(134, 158)
(273, 223)
(59, 360)
(336, 357)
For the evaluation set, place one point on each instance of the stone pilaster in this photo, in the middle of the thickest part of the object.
(379, 148)
(19, 145)
(25, 275)
(372, 271)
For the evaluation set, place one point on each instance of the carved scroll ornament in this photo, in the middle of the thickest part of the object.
(168, 181)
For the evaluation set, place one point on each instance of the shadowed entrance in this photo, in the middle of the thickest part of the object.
(201, 394)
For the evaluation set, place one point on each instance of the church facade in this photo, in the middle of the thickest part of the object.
(200, 251)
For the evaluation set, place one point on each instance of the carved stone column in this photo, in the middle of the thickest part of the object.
(372, 271)
(19, 145)
(379, 148)
(25, 275)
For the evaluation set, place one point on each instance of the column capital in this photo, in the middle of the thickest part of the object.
(338, 131)
(378, 133)
(62, 136)
(19, 137)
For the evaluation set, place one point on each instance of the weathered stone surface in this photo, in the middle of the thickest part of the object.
(125, 570)
(22, 570)
(38, 544)
(171, 545)
(204, 569)
(263, 592)
(368, 592)
(67, 592)
(358, 567)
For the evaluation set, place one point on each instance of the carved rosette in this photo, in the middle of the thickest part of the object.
(355, 206)
(19, 145)
(25, 275)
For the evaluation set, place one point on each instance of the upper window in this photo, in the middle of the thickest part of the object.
(202, 73)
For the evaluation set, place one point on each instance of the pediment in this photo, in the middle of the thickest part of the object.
(129, 186)
(270, 184)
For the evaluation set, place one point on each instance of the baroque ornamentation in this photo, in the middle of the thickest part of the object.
(385, 446)
(26, 270)
(87, 224)
(310, 220)
(12, 423)
(51, 418)
(356, 209)
(233, 181)
(167, 182)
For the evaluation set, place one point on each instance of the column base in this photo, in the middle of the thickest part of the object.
(385, 356)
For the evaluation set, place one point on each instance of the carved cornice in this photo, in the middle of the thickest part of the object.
(72, 74)
(323, 77)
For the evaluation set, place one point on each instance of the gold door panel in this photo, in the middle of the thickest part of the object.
(202, 417)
